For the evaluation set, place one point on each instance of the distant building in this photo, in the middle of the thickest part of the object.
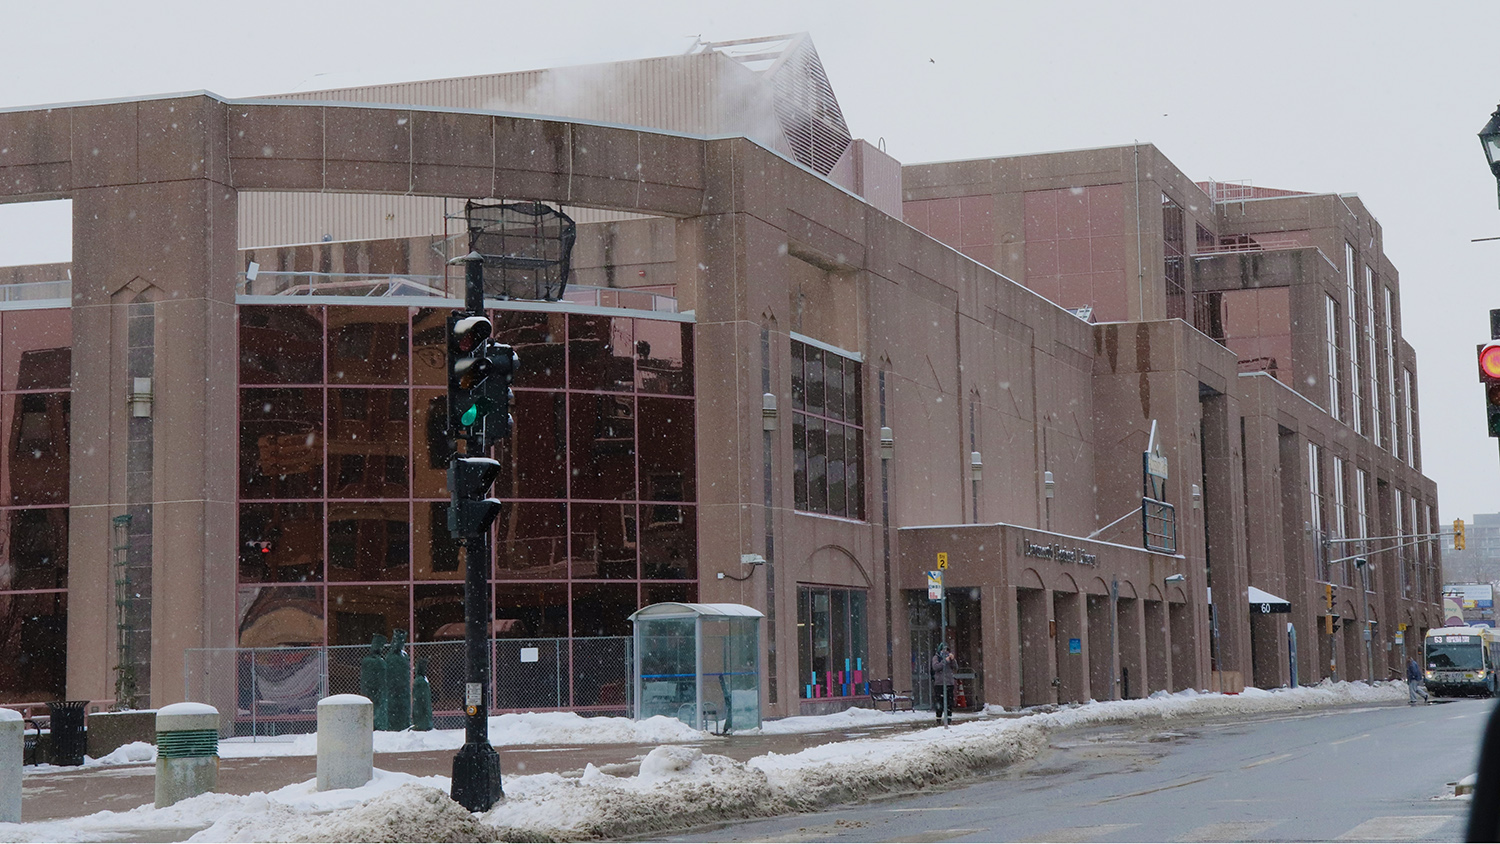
(1103, 391)
(1480, 561)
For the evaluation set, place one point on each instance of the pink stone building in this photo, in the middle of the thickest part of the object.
(780, 342)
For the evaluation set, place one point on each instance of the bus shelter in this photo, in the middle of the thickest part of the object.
(699, 663)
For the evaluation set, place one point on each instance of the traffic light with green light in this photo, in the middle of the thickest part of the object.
(1489, 376)
(468, 368)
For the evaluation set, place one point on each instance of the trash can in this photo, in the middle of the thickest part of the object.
(69, 738)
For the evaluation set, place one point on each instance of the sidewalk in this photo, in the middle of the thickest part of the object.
(51, 792)
(646, 777)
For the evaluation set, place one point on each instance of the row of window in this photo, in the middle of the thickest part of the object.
(1393, 429)
(349, 614)
(343, 482)
(827, 432)
(1353, 521)
(357, 443)
(363, 345)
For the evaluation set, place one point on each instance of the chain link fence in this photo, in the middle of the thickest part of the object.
(275, 691)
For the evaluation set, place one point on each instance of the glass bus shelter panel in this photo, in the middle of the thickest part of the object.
(731, 672)
(668, 678)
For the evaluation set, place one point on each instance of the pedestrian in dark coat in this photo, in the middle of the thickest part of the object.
(943, 665)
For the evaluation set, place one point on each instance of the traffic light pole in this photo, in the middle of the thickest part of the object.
(476, 767)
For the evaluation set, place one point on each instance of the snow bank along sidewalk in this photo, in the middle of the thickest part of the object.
(676, 786)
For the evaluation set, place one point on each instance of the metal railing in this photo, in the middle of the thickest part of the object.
(37, 291)
(275, 691)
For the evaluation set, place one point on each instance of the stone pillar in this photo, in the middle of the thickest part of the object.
(12, 744)
(187, 752)
(346, 741)
(154, 229)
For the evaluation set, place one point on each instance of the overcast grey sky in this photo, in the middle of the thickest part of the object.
(1378, 98)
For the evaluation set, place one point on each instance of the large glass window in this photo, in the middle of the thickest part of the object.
(1408, 415)
(1390, 369)
(832, 646)
(35, 416)
(1332, 333)
(343, 487)
(1315, 490)
(827, 432)
(1361, 514)
(1174, 250)
(1374, 367)
(1340, 519)
(1356, 408)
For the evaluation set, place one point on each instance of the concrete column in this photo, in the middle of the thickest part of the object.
(12, 744)
(1158, 647)
(154, 220)
(1132, 627)
(1067, 611)
(346, 741)
(1035, 611)
(1097, 648)
(187, 751)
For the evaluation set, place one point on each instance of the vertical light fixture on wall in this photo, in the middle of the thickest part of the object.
(976, 473)
(1049, 489)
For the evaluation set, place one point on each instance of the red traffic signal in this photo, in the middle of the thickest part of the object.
(1489, 363)
(1489, 375)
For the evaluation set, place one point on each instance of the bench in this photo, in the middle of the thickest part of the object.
(884, 692)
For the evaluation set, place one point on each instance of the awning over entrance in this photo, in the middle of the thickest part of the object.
(1262, 601)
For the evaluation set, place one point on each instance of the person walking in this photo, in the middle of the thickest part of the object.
(1414, 686)
(943, 665)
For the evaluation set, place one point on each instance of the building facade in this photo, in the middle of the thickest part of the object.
(1119, 403)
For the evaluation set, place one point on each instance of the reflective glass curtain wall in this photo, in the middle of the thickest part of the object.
(343, 490)
(35, 380)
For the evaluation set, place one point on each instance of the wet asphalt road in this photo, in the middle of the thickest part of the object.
(1377, 773)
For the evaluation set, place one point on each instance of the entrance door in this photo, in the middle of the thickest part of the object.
(964, 631)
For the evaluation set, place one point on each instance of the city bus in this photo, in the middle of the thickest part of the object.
(1461, 661)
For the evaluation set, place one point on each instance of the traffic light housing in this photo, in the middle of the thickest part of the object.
(1460, 542)
(1332, 620)
(497, 395)
(471, 511)
(468, 369)
(1489, 376)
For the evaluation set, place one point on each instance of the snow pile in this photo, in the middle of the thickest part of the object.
(133, 753)
(676, 787)
(529, 728)
(857, 718)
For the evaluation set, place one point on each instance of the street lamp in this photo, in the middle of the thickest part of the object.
(1174, 578)
(1489, 138)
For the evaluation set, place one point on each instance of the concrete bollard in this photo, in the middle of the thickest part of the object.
(12, 756)
(187, 751)
(346, 741)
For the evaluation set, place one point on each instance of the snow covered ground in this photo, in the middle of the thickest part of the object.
(676, 786)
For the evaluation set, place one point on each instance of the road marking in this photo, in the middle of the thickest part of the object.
(1269, 760)
(1228, 831)
(929, 809)
(937, 835)
(1349, 739)
(1081, 833)
(1396, 828)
